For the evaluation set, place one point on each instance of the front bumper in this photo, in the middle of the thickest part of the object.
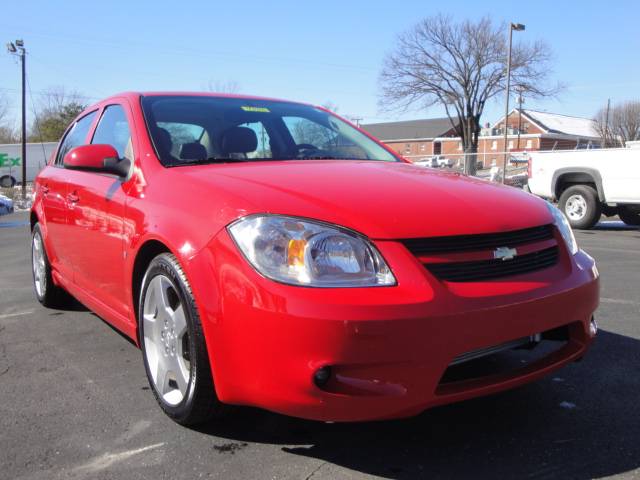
(388, 347)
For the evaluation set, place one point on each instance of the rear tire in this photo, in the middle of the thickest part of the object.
(7, 181)
(629, 215)
(173, 346)
(581, 206)
(47, 293)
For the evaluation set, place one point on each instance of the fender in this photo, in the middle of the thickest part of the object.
(591, 172)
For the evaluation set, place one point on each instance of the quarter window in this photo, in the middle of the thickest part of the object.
(75, 137)
(113, 130)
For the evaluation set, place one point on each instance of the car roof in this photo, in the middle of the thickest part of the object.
(134, 96)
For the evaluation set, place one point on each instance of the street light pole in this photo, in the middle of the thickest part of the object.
(518, 27)
(17, 48)
(24, 121)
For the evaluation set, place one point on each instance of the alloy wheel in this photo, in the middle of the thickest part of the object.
(38, 265)
(166, 340)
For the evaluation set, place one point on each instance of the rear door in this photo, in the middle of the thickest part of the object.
(52, 184)
(96, 215)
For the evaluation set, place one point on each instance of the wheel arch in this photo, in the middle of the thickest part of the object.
(565, 177)
(33, 219)
(147, 252)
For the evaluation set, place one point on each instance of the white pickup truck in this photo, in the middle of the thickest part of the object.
(589, 183)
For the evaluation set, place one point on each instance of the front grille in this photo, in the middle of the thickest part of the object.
(489, 269)
(485, 241)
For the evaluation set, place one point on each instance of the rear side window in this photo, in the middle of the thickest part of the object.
(114, 130)
(76, 136)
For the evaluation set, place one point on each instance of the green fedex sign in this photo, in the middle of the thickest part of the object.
(7, 161)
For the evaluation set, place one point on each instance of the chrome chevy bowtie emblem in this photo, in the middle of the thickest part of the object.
(505, 253)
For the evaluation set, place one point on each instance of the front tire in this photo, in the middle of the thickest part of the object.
(629, 215)
(581, 206)
(47, 293)
(173, 345)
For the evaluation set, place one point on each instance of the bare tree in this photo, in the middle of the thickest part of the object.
(223, 86)
(58, 107)
(620, 125)
(602, 124)
(332, 107)
(460, 66)
(4, 107)
(7, 132)
(57, 97)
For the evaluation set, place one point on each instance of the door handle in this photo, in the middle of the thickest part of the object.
(73, 197)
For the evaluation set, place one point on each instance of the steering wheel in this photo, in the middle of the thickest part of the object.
(306, 146)
(307, 151)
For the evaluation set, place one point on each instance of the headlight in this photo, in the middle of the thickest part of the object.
(304, 252)
(562, 223)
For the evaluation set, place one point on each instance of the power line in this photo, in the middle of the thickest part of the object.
(182, 51)
(44, 93)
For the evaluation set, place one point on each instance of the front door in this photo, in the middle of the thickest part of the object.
(53, 188)
(96, 211)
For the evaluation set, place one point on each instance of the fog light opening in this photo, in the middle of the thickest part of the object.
(322, 376)
(593, 327)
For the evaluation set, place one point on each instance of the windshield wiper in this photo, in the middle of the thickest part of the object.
(326, 157)
(209, 160)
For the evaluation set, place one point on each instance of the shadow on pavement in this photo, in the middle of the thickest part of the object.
(583, 422)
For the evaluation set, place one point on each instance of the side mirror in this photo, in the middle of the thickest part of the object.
(97, 158)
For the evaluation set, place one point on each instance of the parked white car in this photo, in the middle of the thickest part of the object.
(437, 161)
(589, 183)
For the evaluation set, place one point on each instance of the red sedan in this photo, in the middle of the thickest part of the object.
(269, 253)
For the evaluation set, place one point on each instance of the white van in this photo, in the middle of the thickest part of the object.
(11, 161)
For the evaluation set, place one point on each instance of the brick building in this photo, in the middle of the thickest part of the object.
(412, 138)
(527, 130)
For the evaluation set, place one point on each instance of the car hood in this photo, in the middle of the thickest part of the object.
(382, 200)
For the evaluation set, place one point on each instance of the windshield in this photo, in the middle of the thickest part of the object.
(188, 130)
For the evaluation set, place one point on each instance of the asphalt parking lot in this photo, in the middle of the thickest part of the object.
(75, 403)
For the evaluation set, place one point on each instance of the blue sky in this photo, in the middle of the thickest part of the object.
(319, 52)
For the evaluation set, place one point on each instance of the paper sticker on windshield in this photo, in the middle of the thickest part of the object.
(256, 109)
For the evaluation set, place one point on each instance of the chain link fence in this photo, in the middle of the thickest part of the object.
(488, 168)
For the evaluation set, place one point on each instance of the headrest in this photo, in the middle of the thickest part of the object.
(239, 140)
(164, 139)
(193, 151)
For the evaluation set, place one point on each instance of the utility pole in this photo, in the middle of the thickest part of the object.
(356, 120)
(518, 27)
(17, 48)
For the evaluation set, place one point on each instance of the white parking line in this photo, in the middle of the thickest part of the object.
(630, 251)
(105, 461)
(15, 314)
(619, 300)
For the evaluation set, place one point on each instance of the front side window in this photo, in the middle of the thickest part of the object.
(75, 137)
(114, 130)
(188, 130)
